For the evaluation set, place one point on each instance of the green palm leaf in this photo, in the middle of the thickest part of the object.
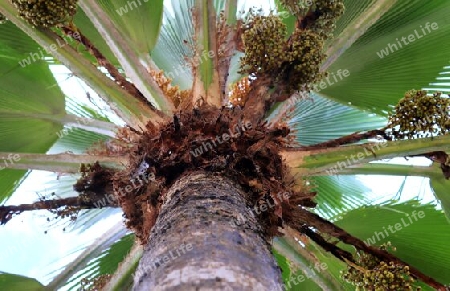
(19, 283)
(426, 252)
(375, 83)
(139, 21)
(339, 194)
(30, 97)
(319, 119)
(353, 9)
(310, 268)
(80, 268)
(111, 258)
(87, 28)
(440, 185)
(171, 49)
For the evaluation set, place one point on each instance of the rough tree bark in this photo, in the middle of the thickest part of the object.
(207, 238)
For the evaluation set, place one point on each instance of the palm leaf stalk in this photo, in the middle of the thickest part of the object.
(131, 110)
(131, 61)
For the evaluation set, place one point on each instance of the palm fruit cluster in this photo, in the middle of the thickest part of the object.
(304, 58)
(46, 13)
(2, 18)
(297, 7)
(375, 275)
(419, 115)
(329, 12)
(264, 42)
(381, 277)
(290, 63)
(96, 283)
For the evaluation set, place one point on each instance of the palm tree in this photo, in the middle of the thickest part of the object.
(235, 160)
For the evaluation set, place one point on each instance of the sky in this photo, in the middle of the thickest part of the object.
(26, 249)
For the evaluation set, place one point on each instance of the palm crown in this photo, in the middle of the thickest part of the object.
(188, 85)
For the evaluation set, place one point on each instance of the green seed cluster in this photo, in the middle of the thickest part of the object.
(95, 284)
(304, 58)
(382, 277)
(293, 63)
(3, 19)
(46, 13)
(419, 115)
(329, 12)
(375, 275)
(297, 7)
(264, 41)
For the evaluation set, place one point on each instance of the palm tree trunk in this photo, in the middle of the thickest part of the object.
(207, 238)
